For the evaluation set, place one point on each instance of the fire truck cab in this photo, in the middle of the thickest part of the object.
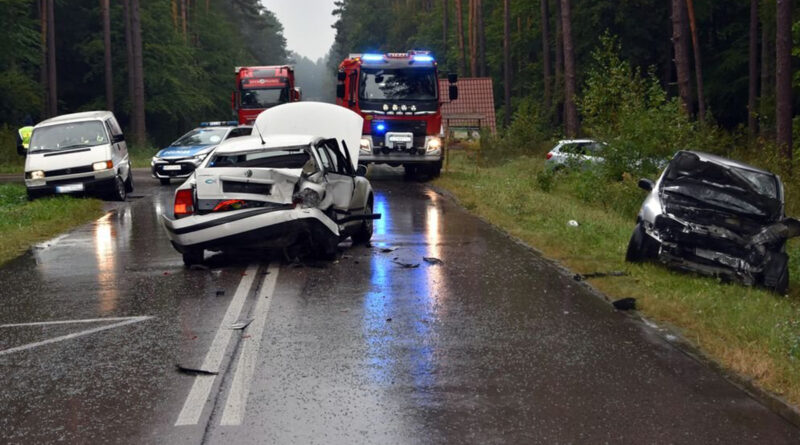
(262, 87)
(398, 96)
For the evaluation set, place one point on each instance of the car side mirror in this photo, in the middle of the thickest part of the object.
(453, 93)
(341, 76)
(118, 138)
(452, 77)
(361, 170)
(646, 184)
(340, 91)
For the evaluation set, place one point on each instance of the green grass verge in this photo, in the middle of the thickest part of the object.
(141, 155)
(748, 330)
(24, 223)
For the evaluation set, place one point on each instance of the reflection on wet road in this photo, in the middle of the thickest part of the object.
(490, 345)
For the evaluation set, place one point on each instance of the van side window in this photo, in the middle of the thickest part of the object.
(113, 127)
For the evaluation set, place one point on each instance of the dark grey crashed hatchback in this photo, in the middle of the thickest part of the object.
(718, 217)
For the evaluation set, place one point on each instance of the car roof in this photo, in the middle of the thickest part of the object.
(77, 117)
(708, 157)
(576, 141)
(253, 142)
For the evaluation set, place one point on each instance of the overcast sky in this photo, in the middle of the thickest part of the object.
(306, 25)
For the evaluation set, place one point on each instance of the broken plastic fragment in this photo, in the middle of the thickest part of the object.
(406, 265)
(625, 304)
(432, 260)
(199, 267)
(194, 371)
(388, 249)
(241, 324)
(579, 277)
(572, 223)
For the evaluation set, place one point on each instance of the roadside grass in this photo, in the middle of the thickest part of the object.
(24, 223)
(748, 330)
(10, 160)
(141, 155)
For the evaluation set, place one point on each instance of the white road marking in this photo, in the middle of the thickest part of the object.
(121, 321)
(201, 388)
(245, 367)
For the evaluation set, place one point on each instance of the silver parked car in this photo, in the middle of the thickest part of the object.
(575, 152)
(716, 216)
(294, 180)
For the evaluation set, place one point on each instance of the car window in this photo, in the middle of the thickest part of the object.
(201, 136)
(323, 158)
(338, 160)
(69, 135)
(288, 157)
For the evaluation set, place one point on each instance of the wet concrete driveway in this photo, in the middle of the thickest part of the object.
(494, 345)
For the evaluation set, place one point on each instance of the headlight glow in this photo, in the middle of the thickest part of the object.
(434, 144)
(102, 165)
(38, 174)
(366, 145)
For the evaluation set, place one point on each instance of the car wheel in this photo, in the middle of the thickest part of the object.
(409, 172)
(776, 274)
(436, 169)
(641, 247)
(33, 195)
(326, 249)
(118, 193)
(129, 182)
(164, 181)
(192, 255)
(364, 233)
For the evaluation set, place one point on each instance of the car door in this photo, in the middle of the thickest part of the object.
(339, 177)
(119, 149)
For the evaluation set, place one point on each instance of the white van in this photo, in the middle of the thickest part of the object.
(79, 153)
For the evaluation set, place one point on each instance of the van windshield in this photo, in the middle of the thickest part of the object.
(68, 136)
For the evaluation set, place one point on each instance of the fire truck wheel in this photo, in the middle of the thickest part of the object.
(410, 172)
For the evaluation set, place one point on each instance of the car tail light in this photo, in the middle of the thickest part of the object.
(184, 203)
(549, 155)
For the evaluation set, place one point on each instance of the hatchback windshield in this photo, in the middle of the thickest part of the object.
(66, 136)
(398, 84)
(202, 136)
(289, 157)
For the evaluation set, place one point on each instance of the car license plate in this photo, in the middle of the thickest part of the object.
(69, 188)
(171, 167)
(400, 139)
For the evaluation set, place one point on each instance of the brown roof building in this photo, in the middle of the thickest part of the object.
(475, 104)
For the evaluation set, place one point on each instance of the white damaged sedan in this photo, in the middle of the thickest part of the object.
(292, 181)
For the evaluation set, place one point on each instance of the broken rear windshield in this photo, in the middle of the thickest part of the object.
(290, 157)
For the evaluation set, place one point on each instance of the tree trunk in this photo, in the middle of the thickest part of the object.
(570, 109)
(766, 108)
(681, 55)
(481, 38)
(783, 78)
(752, 93)
(443, 56)
(462, 54)
(52, 77)
(546, 52)
(183, 18)
(559, 69)
(507, 61)
(126, 13)
(106, 12)
(43, 70)
(473, 47)
(698, 65)
(138, 80)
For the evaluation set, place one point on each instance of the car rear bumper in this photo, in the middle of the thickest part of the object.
(261, 227)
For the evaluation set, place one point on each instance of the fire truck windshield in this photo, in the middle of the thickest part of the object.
(398, 84)
(264, 98)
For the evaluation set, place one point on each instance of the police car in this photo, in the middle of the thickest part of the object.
(180, 159)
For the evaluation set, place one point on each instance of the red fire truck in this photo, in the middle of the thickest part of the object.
(262, 87)
(398, 96)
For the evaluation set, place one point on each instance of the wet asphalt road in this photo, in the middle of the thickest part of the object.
(493, 346)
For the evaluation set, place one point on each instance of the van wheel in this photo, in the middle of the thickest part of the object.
(364, 233)
(33, 195)
(119, 192)
(776, 274)
(129, 182)
(641, 247)
(164, 181)
(193, 255)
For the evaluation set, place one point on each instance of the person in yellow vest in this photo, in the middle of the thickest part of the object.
(24, 135)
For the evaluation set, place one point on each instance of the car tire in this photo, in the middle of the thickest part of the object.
(641, 246)
(327, 248)
(33, 195)
(364, 233)
(410, 172)
(776, 274)
(164, 181)
(192, 256)
(436, 169)
(129, 182)
(119, 192)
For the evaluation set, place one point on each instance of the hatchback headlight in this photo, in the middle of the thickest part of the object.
(199, 158)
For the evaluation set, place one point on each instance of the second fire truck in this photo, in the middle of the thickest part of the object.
(262, 87)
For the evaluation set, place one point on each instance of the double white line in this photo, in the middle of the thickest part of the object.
(233, 413)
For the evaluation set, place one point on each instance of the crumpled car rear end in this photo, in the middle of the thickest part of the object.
(716, 217)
